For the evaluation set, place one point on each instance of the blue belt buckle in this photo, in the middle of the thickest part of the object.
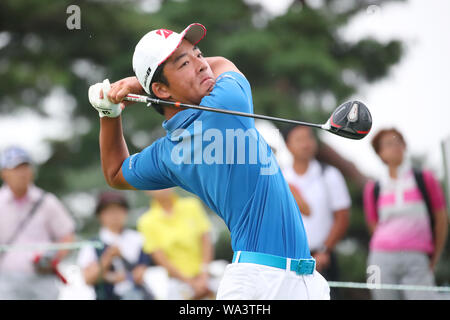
(306, 266)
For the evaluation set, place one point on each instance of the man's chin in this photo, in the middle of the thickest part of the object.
(211, 87)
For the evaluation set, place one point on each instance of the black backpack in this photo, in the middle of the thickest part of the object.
(418, 176)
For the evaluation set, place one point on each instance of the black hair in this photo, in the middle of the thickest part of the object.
(376, 140)
(158, 76)
(107, 198)
(286, 129)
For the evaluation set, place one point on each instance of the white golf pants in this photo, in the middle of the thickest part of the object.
(248, 281)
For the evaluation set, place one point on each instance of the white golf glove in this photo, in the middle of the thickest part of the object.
(104, 107)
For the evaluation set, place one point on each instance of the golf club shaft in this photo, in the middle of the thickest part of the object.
(146, 99)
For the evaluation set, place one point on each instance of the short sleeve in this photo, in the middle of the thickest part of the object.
(370, 209)
(232, 91)
(144, 170)
(338, 192)
(434, 191)
(86, 256)
(59, 220)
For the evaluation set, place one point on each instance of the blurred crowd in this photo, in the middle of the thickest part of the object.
(405, 212)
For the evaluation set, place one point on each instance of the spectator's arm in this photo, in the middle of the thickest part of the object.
(107, 257)
(139, 270)
(60, 223)
(161, 259)
(440, 235)
(340, 203)
(207, 251)
(302, 204)
(371, 226)
(437, 199)
(66, 239)
(138, 273)
(97, 270)
(339, 228)
(337, 232)
(91, 273)
(370, 207)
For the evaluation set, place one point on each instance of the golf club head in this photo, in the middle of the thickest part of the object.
(351, 120)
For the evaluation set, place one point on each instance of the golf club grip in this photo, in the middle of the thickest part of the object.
(146, 99)
(136, 98)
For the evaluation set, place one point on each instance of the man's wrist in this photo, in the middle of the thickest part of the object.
(98, 97)
(111, 114)
(102, 119)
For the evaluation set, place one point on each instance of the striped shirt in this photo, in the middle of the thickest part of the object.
(401, 213)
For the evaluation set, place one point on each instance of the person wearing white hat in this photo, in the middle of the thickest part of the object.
(246, 189)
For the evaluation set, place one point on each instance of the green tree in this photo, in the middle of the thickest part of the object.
(298, 64)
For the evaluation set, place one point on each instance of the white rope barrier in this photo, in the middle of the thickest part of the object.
(383, 286)
(51, 246)
(332, 284)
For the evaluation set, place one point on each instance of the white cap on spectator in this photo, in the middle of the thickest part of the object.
(13, 157)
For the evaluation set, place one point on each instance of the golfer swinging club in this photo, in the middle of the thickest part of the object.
(271, 255)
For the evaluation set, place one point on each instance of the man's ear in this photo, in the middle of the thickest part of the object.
(161, 90)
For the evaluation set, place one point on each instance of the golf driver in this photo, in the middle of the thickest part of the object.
(351, 119)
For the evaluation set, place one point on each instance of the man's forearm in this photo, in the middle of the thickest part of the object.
(301, 203)
(339, 228)
(160, 258)
(440, 233)
(113, 149)
(207, 250)
(66, 239)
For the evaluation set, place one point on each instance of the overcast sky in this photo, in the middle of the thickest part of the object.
(415, 97)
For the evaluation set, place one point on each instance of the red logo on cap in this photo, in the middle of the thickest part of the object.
(164, 32)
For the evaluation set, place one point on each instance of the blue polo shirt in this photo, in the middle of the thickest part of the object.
(225, 161)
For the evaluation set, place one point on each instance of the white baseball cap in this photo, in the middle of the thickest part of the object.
(13, 156)
(157, 46)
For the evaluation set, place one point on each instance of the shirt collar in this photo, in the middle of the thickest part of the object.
(180, 119)
(158, 209)
(402, 171)
(32, 194)
(107, 236)
(313, 169)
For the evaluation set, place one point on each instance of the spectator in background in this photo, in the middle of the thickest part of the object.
(29, 216)
(117, 270)
(406, 215)
(177, 235)
(323, 198)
